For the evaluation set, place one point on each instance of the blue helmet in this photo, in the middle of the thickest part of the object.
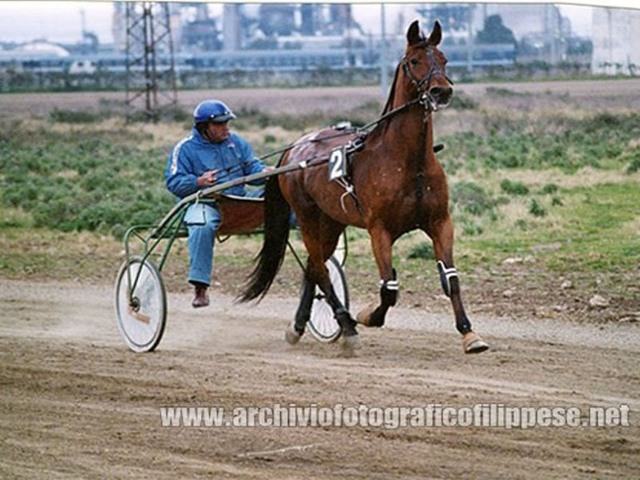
(212, 111)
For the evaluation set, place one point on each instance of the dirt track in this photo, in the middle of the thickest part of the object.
(76, 403)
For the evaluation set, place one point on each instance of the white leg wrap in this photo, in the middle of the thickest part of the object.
(446, 274)
(390, 285)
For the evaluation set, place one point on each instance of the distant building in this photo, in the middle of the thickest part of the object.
(540, 30)
(616, 42)
(524, 20)
(37, 49)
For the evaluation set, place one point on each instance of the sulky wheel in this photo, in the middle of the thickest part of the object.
(142, 314)
(322, 323)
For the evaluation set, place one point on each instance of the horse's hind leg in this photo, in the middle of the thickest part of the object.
(348, 325)
(303, 313)
(443, 247)
(320, 236)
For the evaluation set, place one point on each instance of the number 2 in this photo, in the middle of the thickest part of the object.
(337, 164)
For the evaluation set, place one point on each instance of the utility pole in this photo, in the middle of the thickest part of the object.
(471, 39)
(151, 79)
(384, 75)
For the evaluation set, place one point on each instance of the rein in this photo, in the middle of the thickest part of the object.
(392, 113)
(424, 98)
(360, 131)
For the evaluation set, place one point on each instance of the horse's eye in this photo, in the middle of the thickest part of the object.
(414, 61)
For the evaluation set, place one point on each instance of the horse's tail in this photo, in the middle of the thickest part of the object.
(276, 235)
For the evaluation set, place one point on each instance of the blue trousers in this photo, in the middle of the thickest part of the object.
(202, 221)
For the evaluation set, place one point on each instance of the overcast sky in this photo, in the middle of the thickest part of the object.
(61, 21)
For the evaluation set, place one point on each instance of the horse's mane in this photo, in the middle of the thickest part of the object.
(392, 92)
(381, 126)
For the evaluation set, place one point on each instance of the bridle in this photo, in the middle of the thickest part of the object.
(423, 85)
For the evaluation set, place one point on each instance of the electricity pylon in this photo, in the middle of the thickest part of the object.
(151, 78)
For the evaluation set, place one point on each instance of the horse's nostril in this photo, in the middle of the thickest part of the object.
(441, 93)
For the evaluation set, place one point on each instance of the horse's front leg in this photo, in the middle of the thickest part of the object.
(374, 316)
(442, 237)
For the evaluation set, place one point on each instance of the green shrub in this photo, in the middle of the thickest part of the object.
(514, 187)
(471, 227)
(422, 251)
(521, 224)
(471, 198)
(73, 116)
(536, 209)
(505, 92)
(634, 164)
(81, 180)
(549, 189)
(460, 101)
(556, 201)
(559, 142)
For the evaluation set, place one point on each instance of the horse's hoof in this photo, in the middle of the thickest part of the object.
(370, 317)
(351, 342)
(472, 343)
(292, 336)
(364, 317)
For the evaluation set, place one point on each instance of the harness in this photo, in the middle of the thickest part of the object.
(424, 98)
(430, 105)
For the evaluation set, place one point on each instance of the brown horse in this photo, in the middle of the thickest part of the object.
(391, 184)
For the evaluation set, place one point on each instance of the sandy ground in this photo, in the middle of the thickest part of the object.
(76, 403)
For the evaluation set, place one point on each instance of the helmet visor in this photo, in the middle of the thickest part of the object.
(224, 116)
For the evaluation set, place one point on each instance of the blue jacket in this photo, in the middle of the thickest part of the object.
(194, 155)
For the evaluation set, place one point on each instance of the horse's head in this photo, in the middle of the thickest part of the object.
(425, 66)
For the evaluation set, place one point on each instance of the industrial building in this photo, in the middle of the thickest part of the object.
(616, 43)
(303, 37)
(245, 26)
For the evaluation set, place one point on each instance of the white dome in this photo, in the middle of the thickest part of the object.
(40, 48)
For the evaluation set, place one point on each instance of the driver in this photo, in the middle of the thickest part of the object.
(210, 155)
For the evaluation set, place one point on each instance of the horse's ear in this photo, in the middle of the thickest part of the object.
(413, 34)
(436, 35)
